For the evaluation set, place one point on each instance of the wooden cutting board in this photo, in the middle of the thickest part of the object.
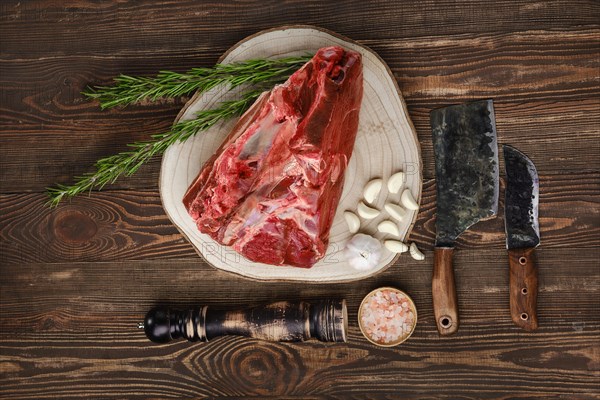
(386, 143)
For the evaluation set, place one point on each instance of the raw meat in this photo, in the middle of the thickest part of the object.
(271, 190)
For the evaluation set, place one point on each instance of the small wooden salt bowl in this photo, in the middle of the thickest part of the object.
(401, 339)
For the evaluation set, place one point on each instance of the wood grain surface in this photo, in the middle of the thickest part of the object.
(75, 281)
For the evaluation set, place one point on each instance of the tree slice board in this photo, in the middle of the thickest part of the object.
(386, 143)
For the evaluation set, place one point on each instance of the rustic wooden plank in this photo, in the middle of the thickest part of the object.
(435, 66)
(79, 327)
(544, 84)
(230, 367)
(76, 27)
(560, 137)
(59, 298)
(131, 225)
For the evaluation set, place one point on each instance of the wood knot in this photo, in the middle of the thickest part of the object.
(74, 226)
(256, 368)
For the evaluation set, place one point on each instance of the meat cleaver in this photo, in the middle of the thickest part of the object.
(466, 171)
(522, 235)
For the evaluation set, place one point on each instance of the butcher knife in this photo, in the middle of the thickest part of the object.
(466, 170)
(522, 236)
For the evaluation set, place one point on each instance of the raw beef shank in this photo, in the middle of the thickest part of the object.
(271, 190)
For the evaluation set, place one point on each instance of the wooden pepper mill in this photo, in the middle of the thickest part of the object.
(284, 321)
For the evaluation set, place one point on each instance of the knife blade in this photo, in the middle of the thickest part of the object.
(522, 235)
(466, 170)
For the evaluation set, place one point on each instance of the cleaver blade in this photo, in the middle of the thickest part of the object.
(466, 171)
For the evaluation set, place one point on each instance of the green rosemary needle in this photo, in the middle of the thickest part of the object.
(109, 169)
(130, 89)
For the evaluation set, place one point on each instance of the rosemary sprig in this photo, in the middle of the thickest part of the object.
(130, 89)
(258, 74)
(109, 169)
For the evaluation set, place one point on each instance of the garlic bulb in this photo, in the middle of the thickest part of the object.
(352, 220)
(363, 252)
(372, 190)
(395, 182)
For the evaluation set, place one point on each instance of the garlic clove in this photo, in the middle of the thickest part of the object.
(372, 190)
(366, 212)
(415, 252)
(395, 211)
(363, 252)
(352, 220)
(395, 182)
(408, 200)
(388, 227)
(395, 246)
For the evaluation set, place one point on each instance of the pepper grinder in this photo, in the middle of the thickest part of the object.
(283, 321)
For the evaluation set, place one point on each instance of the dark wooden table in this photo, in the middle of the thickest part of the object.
(76, 280)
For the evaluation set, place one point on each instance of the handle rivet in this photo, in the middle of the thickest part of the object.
(524, 291)
(446, 322)
(522, 261)
(524, 316)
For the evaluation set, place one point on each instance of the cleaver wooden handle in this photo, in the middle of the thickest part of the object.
(523, 288)
(443, 291)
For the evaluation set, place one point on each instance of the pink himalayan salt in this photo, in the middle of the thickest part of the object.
(387, 316)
